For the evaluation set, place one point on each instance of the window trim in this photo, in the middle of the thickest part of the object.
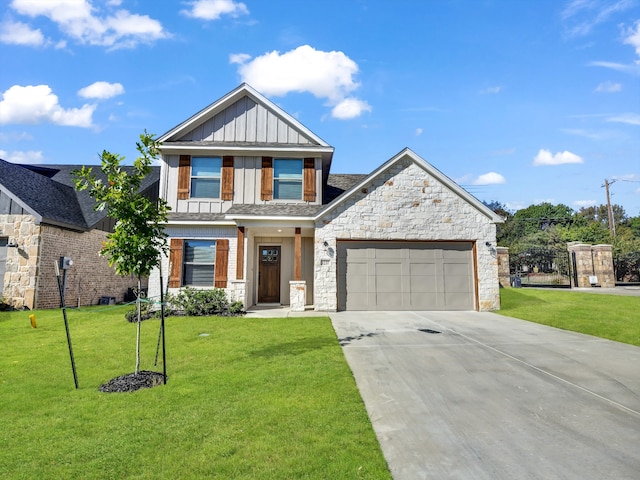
(297, 180)
(218, 176)
(185, 263)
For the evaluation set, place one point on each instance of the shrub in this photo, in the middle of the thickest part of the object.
(145, 313)
(194, 302)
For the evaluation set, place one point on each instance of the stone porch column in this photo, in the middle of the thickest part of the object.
(297, 295)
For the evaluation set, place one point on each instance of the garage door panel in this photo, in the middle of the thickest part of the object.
(455, 301)
(456, 269)
(424, 301)
(405, 275)
(390, 284)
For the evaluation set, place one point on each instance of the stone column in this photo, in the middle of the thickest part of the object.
(583, 264)
(297, 295)
(504, 274)
(603, 265)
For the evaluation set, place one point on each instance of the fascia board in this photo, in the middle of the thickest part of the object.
(168, 148)
(200, 223)
(272, 220)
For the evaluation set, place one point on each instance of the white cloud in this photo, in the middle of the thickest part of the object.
(581, 16)
(33, 104)
(76, 19)
(328, 75)
(239, 58)
(491, 178)
(633, 69)
(418, 132)
(608, 87)
(101, 90)
(491, 91)
(214, 9)
(628, 118)
(585, 203)
(350, 108)
(545, 157)
(633, 37)
(31, 156)
(18, 33)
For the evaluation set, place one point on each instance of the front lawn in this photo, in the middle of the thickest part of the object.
(613, 317)
(245, 399)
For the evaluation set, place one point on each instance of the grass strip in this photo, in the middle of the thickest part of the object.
(613, 317)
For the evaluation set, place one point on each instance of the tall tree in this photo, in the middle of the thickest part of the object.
(138, 238)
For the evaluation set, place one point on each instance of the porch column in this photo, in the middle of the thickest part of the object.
(297, 261)
(240, 254)
(297, 286)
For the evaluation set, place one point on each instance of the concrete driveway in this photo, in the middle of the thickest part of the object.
(491, 397)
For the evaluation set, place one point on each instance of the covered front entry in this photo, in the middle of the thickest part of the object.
(391, 275)
(269, 274)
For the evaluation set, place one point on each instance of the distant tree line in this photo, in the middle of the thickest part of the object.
(553, 226)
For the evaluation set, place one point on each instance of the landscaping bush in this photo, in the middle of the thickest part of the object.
(194, 303)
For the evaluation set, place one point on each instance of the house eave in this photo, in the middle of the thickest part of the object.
(239, 150)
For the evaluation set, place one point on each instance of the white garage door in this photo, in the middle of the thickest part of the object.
(405, 276)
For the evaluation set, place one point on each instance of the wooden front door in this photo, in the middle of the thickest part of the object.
(269, 275)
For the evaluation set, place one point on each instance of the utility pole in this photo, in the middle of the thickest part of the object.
(612, 227)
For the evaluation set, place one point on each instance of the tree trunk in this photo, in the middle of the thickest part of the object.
(138, 306)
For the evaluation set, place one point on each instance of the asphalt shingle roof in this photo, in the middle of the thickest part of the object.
(50, 191)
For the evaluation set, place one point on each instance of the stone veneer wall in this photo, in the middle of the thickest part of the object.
(30, 272)
(19, 283)
(504, 273)
(405, 203)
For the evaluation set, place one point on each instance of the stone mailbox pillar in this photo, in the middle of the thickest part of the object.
(603, 265)
(504, 274)
(592, 265)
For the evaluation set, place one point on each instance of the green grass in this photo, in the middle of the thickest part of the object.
(613, 317)
(256, 399)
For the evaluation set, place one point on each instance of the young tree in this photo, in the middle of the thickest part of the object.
(138, 238)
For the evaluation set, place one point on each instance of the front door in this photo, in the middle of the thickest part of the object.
(269, 275)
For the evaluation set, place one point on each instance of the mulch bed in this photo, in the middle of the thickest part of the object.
(132, 382)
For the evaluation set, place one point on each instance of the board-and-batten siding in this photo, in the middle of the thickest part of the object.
(246, 121)
(246, 188)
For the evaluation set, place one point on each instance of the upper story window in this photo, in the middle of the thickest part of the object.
(287, 179)
(205, 177)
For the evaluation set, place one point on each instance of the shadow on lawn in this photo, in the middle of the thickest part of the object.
(518, 298)
(296, 347)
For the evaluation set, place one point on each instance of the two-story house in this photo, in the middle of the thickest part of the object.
(256, 211)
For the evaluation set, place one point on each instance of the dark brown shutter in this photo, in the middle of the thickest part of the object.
(222, 261)
(184, 177)
(175, 263)
(266, 190)
(309, 179)
(240, 254)
(227, 178)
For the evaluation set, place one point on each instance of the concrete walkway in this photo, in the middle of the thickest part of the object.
(491, 397)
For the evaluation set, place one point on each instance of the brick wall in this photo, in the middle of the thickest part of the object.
(88, 279)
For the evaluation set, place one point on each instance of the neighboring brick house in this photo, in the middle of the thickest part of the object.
(256, 211)
(43, 217)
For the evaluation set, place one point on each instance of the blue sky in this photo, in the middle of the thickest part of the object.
(519, 101)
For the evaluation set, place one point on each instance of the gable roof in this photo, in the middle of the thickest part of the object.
(236, 104)
(48, 192)
(409, 154)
